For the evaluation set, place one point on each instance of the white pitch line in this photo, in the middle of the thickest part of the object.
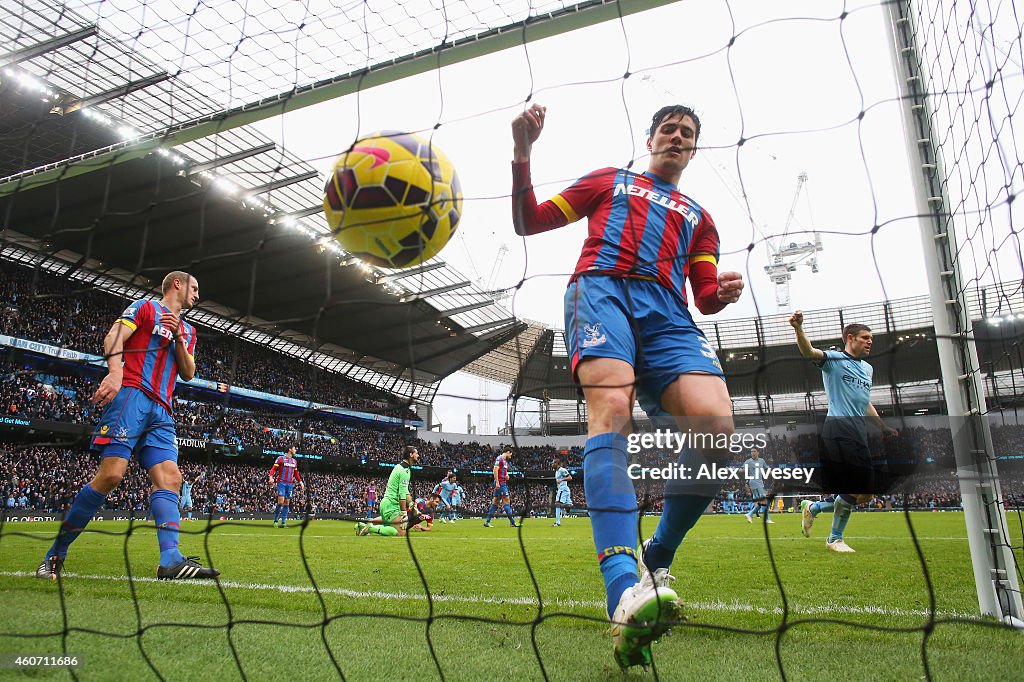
(715, 605)
(529, 538)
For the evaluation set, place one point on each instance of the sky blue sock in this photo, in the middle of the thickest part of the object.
(840, 518)
(558, 514)
(611, 500)
(167, 518)
(87, 503)
(822, 506)
(491, 511)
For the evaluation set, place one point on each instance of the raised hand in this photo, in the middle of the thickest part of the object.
(526, 128)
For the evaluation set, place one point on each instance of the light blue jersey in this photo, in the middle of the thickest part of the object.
(753, 468)
(186, 489)
(447, 488)
(457, 496)
(563, 485)
(847, 384)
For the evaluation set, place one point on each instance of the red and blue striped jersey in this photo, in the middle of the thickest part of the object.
(502, 465)
(149, 352)
(371, 492)
(287, 469)
(638, 224)
(423, 510)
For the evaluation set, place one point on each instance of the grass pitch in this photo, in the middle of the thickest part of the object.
(504, 604)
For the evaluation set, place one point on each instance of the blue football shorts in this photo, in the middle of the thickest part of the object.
(134, 422)
(641, 322)
(285, 490)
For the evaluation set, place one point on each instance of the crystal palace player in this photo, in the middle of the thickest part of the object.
(500, 496)
(148, 347)
(370, 498)
(287, 469)
(628, 327)
(422, 520)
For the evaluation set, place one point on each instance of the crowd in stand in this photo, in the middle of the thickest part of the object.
(64, 396)
(39, 307)
(46, 478)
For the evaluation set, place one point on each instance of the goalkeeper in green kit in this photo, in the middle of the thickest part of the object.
(397, 511)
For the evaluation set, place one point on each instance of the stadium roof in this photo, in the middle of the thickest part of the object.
(233, 208)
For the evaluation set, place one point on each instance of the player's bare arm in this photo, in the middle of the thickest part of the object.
(796, 321)
(113, 350)
(876, 419)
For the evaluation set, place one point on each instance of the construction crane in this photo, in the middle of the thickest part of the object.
(498, 296)
(786, 256)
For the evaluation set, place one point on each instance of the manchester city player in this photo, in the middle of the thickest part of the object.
(147, 349)
(630, 336)
(458, 497)
(847, 378)
(563, 498)
(444, 491)
(753, 471)
(185, 499)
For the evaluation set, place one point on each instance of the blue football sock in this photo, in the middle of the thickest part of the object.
(611, 499)
(491, 511)
(509, 514)
(86, 504)
(167, 518)
(558, 514)
(764, 510)
(679, 515)
(277, 513)
(685, 502)
(822, 506)
(619, 572)
(840, 518)
(284, 513)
